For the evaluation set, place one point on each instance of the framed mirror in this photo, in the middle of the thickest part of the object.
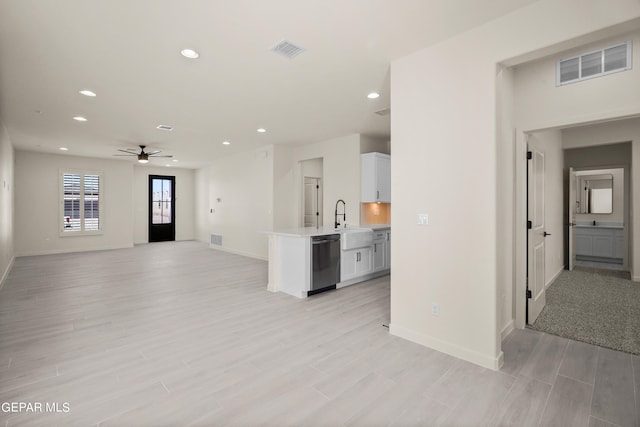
(595, 193)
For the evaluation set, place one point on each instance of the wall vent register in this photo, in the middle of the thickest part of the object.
(594, 64)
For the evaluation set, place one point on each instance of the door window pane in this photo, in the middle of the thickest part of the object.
(162, 200)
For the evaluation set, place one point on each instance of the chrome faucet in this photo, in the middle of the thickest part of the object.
(344, 213)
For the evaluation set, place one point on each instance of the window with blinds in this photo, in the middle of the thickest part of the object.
(81, 202)
(594, 64)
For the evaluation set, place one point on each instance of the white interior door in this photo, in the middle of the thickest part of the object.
(573, 187)
(312, 202)
(536, 247)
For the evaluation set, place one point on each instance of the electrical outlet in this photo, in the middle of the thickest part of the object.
(435, 309)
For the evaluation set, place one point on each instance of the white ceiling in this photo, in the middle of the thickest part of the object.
(127, 51)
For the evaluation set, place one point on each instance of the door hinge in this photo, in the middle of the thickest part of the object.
(529, 155)
(529, 293)
(317, 187)
(529, 225)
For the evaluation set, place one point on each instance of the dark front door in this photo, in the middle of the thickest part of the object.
(162, 210)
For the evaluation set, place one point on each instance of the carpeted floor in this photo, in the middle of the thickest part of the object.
(589, 306)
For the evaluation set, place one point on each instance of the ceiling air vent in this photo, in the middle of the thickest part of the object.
(287, 49)
(165, 127)
(383, 112)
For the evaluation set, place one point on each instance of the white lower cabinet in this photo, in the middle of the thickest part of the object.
(379, 255)
(387, 249)
(596, 242)
(355, 262)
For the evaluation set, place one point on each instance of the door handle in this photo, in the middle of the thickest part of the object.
(545, 234)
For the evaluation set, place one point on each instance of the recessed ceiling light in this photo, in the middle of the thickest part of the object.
(175, 160)
(189, 53)
(226, 143)
(262, 130)
(168, 165)
(164, 127)
(373, 95)
(80, 119)
(86, 92)
(63, 149)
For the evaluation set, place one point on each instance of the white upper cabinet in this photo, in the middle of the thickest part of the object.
(375, 180)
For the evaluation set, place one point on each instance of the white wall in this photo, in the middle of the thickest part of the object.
(184, 200)
(374, 144)
(201, 205)
(265, 193)
(37, 204)
(284, 209)
(7, 186)
(445, 163)
(341, 176)
(601, 97)
(243, 183)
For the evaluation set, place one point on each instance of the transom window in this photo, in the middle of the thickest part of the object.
(81, 202)
(594, 64)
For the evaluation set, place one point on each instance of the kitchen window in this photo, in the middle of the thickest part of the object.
(81, 202)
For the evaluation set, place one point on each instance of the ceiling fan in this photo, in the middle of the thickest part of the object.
(143, 156)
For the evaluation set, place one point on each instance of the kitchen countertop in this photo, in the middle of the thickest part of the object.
(313, 231)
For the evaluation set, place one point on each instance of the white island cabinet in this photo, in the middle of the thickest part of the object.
(290, 259)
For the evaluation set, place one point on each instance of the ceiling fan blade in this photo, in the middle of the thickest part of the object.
(158, 156)
(151, 153)
(129, 152)
(125, 155)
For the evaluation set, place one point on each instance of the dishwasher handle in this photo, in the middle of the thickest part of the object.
(325, 239)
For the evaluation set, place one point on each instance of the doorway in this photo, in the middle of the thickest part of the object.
(310, 195)
(162, 211)
(312, 202)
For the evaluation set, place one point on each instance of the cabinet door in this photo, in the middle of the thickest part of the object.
(368, 184)
(375, 178)
(618, 246)
(364, 264)
(379, 252)
(603, 246)
(383, 173)
(348, 262)
(387, 248)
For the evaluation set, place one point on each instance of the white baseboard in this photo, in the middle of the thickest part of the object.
(74, 250)
(6, 272)
(238, 252)
(454, 350)
(509, 327)
(555, 276)
(635, 278)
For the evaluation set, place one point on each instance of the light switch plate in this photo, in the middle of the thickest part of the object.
(423, 219)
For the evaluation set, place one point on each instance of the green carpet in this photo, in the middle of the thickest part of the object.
(600, 309)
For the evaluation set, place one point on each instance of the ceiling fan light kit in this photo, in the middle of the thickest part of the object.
(143, 156)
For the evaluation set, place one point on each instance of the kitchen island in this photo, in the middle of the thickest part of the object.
(291, 264)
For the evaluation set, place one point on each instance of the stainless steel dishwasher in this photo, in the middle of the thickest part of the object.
(325, 263)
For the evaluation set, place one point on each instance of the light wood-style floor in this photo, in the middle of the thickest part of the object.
(178, 334)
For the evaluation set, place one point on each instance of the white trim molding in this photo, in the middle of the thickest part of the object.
(494, 363)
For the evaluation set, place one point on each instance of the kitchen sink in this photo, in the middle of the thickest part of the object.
(353, 238)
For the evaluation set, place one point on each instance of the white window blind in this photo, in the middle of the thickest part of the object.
(81, 202)
(594, 64)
